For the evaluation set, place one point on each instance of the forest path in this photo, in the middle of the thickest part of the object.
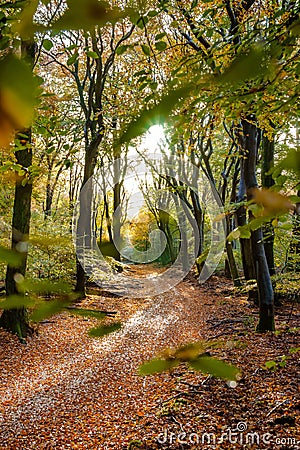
(65, 390)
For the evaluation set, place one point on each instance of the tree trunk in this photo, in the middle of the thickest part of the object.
(230, 258)
(16, 320)
(198, 214)
(117, 207)
(265, 289)
(83, 242)
(267, 181)
(49, 200)
(293, 263)
(241, 218)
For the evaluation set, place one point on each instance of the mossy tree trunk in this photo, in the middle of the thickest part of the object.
(16, 320)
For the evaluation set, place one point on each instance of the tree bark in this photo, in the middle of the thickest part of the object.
(293, 263)
(16, 320)
(264, 284)
(84, 222)
(267, 182)
(241, 219)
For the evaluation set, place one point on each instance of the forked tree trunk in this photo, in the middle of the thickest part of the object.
(265, 289)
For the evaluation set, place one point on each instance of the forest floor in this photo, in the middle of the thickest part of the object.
(65, 390)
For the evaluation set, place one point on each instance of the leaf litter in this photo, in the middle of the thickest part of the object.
(66, 390)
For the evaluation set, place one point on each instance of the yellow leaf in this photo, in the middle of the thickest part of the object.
(274, 203)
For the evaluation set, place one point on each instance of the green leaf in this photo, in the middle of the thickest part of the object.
(202, 257)
(16, 301)
(215, 367)
(245, 233)
(258, 222)
(294, 198)
(47, 44)
(153, 85)
(270, 364)
(24, 26)
(292, 161)
(245, 67)
(121, 49)
(142, 22)
(159, 36)
(92, 54)
(235, 234)
(72, 59)
(160, 45)
(19, 89)
(153, 13)
(105, 329)
(47, 309)
(11, 257)
(189, 352)
(293, 350)
(146, 49)
(86, 14)
(157, 366)
(86, 312)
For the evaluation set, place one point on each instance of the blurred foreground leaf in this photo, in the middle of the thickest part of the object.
(87, 312)
(292, 161)
(194, 355)
(47, 309)
(18, 93)
(105, 329)
(86, 14)
(214, 367)
(11, 257)
(274, 204)
(157, 366)
(246, 66)
(16, 301)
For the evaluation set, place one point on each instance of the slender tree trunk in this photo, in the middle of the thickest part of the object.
(293, 263)
(198, 214)
(230, 258)
(49, 200)
(267, 182)
(265, 289)
(117, 207)
(241, 218)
